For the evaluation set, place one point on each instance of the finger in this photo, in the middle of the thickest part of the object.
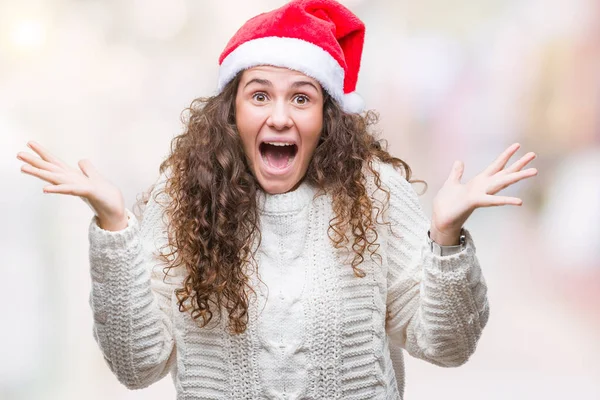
(45, 154)
(501, 161)
(66, 188)
(519, 165)
(37, 162)
(494, 201)
(88, 168)
(511, 179)
(40, 173)
(458, 168)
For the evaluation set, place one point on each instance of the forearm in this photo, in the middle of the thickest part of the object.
(439, 315)
(132, 332)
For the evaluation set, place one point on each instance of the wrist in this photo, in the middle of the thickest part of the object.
(446, 250)
(113, 222)
(446, 238)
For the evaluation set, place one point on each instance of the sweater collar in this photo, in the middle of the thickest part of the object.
(286, 203)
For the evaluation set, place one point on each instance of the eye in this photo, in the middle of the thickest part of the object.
(301, 99)
(260, 97)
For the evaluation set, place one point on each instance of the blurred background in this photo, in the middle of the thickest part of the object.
(453, 80)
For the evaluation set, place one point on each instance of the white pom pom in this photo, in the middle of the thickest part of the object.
(353, 103)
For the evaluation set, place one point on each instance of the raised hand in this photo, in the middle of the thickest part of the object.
(105, 199)
(455, 201)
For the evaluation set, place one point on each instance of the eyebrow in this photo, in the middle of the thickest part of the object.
(295, 85)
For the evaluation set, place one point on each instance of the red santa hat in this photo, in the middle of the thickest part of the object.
(320, 38)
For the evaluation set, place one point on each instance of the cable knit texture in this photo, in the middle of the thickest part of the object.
(316, 331)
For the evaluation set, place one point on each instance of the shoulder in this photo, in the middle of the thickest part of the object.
(391, 179)
(154, 205)
(158, 197)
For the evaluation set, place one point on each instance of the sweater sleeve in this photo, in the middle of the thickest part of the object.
(131, 303)
(437, 305)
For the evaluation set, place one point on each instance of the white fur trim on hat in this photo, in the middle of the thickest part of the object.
(353, 103)
(291, 53)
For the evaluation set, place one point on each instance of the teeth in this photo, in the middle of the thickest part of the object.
(279, 144)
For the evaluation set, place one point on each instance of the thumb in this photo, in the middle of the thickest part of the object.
(88, 168)
(458, 168)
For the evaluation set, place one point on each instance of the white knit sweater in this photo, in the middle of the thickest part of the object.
(316, 331)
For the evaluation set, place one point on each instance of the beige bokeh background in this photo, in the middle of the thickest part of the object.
(107, 80)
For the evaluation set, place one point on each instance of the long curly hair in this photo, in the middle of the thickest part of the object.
(213, 220)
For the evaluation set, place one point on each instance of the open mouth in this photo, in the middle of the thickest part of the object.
(278, 155)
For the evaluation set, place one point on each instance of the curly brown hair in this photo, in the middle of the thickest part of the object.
(213, 219)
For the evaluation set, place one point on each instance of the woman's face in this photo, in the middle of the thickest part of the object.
(279, 116)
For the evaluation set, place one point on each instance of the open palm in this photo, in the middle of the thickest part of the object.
(455, 201)
(105, 199)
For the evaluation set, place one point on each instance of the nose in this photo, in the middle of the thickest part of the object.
(280, 118)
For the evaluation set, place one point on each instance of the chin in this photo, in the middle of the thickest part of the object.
(277, 187)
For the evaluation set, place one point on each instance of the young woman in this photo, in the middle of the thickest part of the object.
(283, 252)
